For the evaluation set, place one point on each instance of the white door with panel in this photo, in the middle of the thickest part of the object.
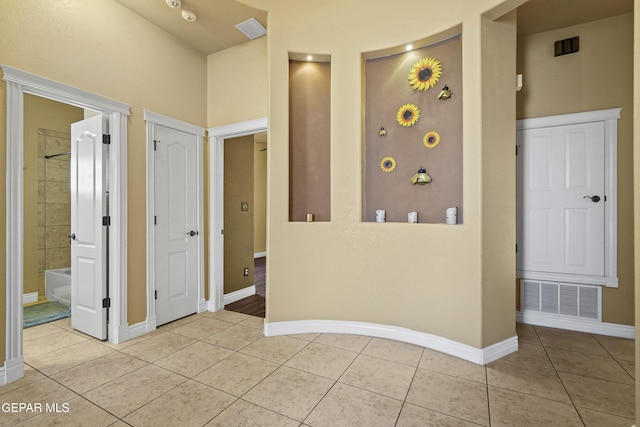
(561, 200)
(176, 223)
(88, 232)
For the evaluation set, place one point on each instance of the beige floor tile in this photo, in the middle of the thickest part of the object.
(289, 392)
(350, 406)
(253, 322)
(449, 395)
(193, 359)
(79, 412)
(30, 375)
(528, 379)
(226, 316)
(235, 337)
(133, 390)
(178, 323)
(619, 348)
(322, 360)
(569, 340)
(589, 365)
(159, 346)
(413, 416)
(450, 365)
(530, 354)
(119, 423)
(236, 374)
(39, 331)
(38, 392)
(527, 334)
(51, 342)
(62, 323)
(600, 419)
(189, 404)
(395, 351)
(344, 341)
(510, 408)
(380, 376)
(275, 349)
(134, 341)
(307, 337)
(629, 366)
(201, 328)
(243, 413)
(99, 371)
(604, 396)
(68, 357)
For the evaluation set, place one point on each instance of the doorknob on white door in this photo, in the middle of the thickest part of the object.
(192, 233)
(594, 199)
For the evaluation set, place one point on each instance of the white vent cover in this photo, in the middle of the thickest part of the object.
(252, 28)
(566, 299)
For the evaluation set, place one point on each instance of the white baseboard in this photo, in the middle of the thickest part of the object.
(141, 328)
(203, 305)
(480, 356)
(259, 254)
(238, 295)
(12, 370)
(30, 297)
(576, 324)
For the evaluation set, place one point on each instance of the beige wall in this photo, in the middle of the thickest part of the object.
(43, 118)
(636, 183)
(260, 193)
(569, 84)
(430, 280)
(142, 66)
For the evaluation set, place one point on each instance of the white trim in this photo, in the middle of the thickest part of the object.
(152, 120)
(30, 297)
(217, 136)
(141, 328)
(568, 278)
(18, 83)
(12, 370)
(239, 294)
(480, 356)
(576, 324)
(610, 118)
(259, 254)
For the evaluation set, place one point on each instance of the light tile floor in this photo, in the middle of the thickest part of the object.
(217, 369)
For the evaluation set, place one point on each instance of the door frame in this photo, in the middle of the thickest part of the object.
(152, 120)
(610, 118)
(18, 83)
(217, 136)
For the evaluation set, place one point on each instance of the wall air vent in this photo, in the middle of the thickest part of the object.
(566, 299)
(252, 28)
(566, 46)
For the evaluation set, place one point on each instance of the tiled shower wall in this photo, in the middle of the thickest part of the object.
(54, 203)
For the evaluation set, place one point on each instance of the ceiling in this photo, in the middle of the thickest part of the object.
(214, 30)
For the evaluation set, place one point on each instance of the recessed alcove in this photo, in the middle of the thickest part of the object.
(413, 123)
(309, 137)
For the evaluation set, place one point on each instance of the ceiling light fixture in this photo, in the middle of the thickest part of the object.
(252, 28)
(309, 58)
(189, 15)
(409, 47)
(174, 4)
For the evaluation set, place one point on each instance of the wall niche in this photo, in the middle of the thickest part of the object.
(309, 137)
(413, 123)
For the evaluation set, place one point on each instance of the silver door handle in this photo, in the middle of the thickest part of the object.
(192, 233)
(594, 199)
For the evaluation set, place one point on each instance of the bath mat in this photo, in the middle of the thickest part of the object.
(49, 311)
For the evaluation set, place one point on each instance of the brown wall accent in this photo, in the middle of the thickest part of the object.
(309, 140)
(386, 90)
(238, 225)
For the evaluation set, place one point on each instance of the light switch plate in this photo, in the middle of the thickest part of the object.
(244, 206)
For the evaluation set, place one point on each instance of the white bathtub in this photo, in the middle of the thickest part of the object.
(57, 285)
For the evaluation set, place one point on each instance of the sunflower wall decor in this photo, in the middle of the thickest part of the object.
(431, 139)
(388, 164)
(425, 73)
(408, 115)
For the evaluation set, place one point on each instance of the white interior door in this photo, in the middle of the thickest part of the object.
(88, 206)
(176, 224)
(561, 200)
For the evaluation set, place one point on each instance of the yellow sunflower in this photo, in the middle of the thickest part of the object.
(408, 115)
(431, 139)
(425, 73)
(388, 164)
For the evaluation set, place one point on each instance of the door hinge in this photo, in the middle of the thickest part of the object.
(156, 295)
(517, 149)
(106, 221)
(605, 198)
(516, 248)
(106, 139)
(222, 231)
(155, 220)
(155, 145)
(106, 303)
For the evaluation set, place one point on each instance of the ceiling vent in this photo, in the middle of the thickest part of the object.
(251, 28)
(174, 4)
(189, 15)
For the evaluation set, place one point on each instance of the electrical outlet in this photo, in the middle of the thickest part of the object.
(246, 271)
(244, 206)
